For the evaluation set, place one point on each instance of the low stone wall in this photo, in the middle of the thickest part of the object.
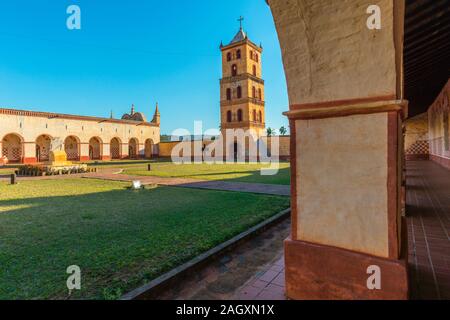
(284, 152)
(166, 148)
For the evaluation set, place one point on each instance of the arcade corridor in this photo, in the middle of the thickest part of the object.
(428, 211)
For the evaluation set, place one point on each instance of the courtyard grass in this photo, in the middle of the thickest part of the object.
(244, 172)
(119, 238)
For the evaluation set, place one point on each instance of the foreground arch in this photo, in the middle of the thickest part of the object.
(346, 121)
(12, 148)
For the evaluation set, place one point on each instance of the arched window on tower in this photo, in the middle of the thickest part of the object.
(256, 57)
(229, 116)
(229, 56)
(260, 117)
(254, 116)
(239, 114)
(251, 54)
(228, 94)
(260, 94)
(253, 92)
(239, 92)
(234, 70)
(254, 70)
(238, 54)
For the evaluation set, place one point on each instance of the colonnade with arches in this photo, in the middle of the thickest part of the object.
(16, 149)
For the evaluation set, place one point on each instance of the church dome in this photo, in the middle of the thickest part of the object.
(134, 116)
(138, 116)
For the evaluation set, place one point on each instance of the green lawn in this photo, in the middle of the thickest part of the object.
(7, 170)
(119, 238)
(233, 172)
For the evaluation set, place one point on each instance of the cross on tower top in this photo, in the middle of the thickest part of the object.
(241, 18)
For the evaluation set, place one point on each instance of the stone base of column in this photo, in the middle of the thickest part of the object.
(318, 272)
(84, 158)
(106, 158)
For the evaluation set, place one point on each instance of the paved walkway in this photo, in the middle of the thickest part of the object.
(428, 210)
(199, 184)
(223, 278)
(428, 216)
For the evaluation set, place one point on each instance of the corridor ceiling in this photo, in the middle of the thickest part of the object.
(426, 52)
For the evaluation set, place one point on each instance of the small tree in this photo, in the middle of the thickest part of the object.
(283, 131)
(270, 132)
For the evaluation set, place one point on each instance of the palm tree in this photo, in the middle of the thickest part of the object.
(270, 132)
(283, 131)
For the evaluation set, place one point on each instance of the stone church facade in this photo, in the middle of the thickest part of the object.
(26, 136)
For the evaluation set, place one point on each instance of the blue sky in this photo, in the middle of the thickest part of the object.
(135, 51)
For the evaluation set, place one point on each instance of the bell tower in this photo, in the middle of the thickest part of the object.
(242, 87)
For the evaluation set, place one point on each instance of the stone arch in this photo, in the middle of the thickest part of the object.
(149, 148)
(12, 147)
(116, 148)
(95, 148)
(72, 148)
(133, 148)
(43, 143)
